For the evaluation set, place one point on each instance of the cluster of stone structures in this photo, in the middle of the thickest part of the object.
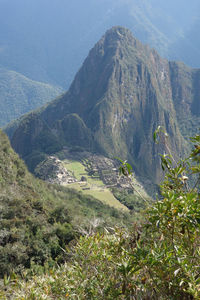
(53, 171)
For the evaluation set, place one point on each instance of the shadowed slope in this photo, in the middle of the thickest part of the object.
(123, 91)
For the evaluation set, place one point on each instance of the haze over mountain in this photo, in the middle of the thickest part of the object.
(123, 91)
(19, 95)
(48, 40)
(187, 47)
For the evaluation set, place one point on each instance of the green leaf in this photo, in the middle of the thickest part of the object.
(129, 168)
(155, 136)
(119, 159)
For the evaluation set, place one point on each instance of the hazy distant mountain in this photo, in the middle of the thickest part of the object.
(187, 47)
(48, 40)
(19, 95)
(123, 91)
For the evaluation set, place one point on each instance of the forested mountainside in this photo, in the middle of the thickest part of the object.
(123, 91)
(157, 258)
(19, 95)
(38, 220)
(47, 41)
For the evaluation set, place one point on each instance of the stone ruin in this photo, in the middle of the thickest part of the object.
(53, 171)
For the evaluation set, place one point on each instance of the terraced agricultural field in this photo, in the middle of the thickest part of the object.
(93, 185)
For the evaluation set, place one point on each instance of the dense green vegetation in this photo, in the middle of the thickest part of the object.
(19, 95)
(129, 199)
(158, 259)
(37, 220)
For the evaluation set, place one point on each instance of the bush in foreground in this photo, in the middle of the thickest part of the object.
(157, 260)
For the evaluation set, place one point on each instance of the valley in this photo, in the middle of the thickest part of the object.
(38, 219)
(94, 175)
(120, 95)
(99, 150)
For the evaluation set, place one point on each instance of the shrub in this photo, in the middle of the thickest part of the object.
(158, 260)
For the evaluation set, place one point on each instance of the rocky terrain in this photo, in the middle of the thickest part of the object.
(123, 91)
(53, 171)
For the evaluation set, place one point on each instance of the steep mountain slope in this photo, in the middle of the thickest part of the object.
(37, 220)
(18, 95)
(185, 83)
(48, 40)
(123, 91)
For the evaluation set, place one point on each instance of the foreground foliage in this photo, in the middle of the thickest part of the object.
(157, 260)
(37, 220)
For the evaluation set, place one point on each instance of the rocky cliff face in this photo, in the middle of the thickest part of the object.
(185, 86)
(123, 91)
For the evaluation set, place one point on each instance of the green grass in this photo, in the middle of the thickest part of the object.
(78, 169)
(94, 186)
(75, 167)
(102, 194)
(106, 197)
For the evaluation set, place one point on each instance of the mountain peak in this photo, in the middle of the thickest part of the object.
(122, 92)
(118, 32)
(118, 36)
